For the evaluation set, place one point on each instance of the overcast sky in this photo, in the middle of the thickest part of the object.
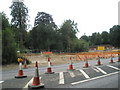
(90, 15)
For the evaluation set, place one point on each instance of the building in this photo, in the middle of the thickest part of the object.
(101, 48)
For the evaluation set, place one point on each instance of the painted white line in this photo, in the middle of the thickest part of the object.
(101, 70)
(1, 81)
(61, 78)
(94, 78)
(30, 82)
(86, 76)
(26, 86)
(72, 74)
(95, 70)
(113, 67)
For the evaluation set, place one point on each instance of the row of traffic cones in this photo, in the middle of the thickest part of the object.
(36, 83)
(87, 65)
(36, 80)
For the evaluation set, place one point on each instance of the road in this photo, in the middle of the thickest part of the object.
(104, 76)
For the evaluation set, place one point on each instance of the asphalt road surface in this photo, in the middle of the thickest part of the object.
(104, 76)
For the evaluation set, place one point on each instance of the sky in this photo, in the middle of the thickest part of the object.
(90, 15)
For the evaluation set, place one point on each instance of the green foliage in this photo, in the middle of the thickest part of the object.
(85, 38)
(115, 35)
(111, 37)
(67, 33)
(19, 13)
(8, 44)
(105, 37)
(8, 47)
(79, 45)
(44, 18)
(46, 36)
(4, 20)
(43, 35)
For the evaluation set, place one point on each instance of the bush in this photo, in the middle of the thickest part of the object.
(9, 54)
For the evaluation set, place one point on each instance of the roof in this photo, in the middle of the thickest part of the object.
(94, 46)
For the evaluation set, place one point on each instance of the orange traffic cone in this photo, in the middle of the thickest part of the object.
(86, 64)
(20, 72)
(118, 57)
(70, 67)
(111, 61)
(49, 69)
(36, 80)
(25, 64)
(98, 62)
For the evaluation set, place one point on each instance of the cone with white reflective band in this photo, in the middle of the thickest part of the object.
(70, 67)
(111, 61)
(98, 62)
(25, 64)
(36, 80)
(86, 64)
(49, 69)
(20, 72)
(118, 57)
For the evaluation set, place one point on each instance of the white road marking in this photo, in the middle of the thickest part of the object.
(101, 70)
(30, 82)
(93, 78)
(113, 67)
(1, 81)
(26, 86)
(72, 74)
(95, 70)
(86, 76)
(61, 78)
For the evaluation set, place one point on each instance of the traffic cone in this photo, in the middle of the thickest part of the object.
(49, 69)
(20, 72)
(25, 64)
(86, 64)
(36, 80)
(111, 61)
(70, 67)
(98, 62)
(118, 57)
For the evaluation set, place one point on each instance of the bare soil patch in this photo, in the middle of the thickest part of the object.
(43, 60)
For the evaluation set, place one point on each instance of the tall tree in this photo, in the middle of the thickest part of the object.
(43, 33)
(105, 37)
(115, 35)
(8, 44)
(68, 32)
(19, 20)
(4, 20)
(45, 18)
(95, 39)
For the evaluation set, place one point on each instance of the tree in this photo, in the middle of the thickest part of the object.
(95, 39)
(8, 47)
(84, 37)
(19, 21)
(44, 18)
(44, 32)
(115, 35)
(68, 32)
(8, 44)
(105, 37)
(4, 20)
